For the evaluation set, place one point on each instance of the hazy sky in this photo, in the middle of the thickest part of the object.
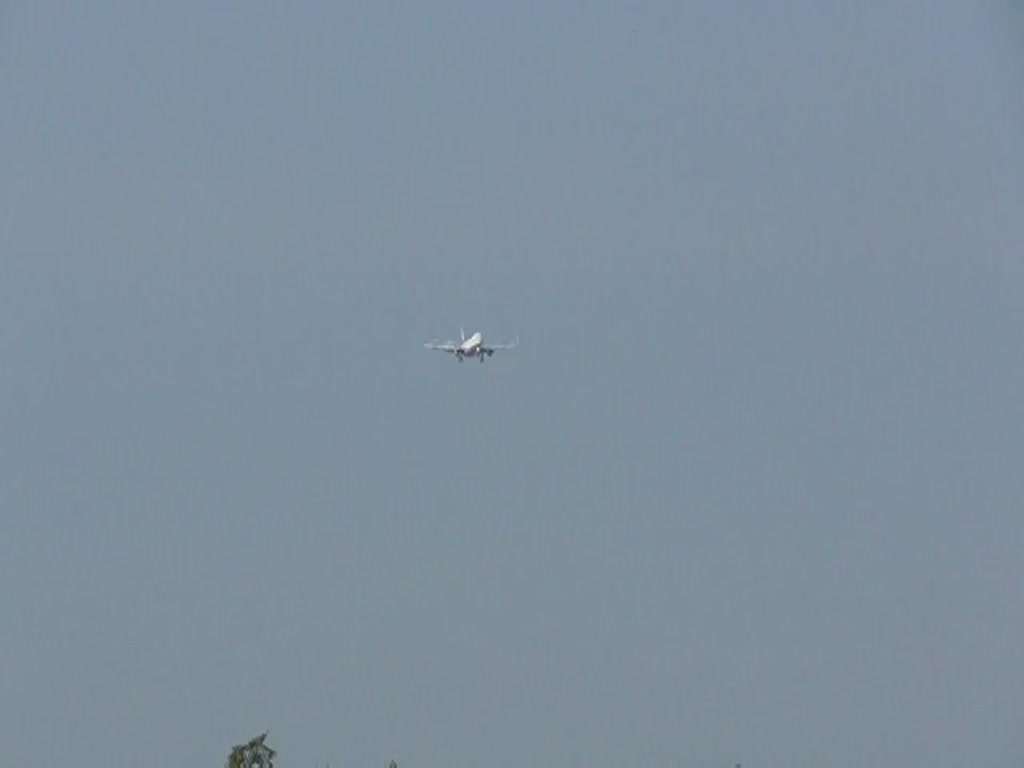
(751, 489)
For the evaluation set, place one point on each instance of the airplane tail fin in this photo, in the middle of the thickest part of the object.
(462, 333)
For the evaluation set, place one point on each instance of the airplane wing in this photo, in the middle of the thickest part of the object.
(506, 345)
(448, 346)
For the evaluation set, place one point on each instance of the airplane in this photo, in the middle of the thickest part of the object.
(472, 347)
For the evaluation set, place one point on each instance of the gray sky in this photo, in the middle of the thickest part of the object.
(751, 489)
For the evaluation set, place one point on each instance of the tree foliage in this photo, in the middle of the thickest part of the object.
(255, 754)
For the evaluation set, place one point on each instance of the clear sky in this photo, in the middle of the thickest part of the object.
(750, 490)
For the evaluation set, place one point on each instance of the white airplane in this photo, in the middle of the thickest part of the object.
(472, 347)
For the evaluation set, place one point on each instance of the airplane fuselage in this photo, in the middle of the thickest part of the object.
(471, 346)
